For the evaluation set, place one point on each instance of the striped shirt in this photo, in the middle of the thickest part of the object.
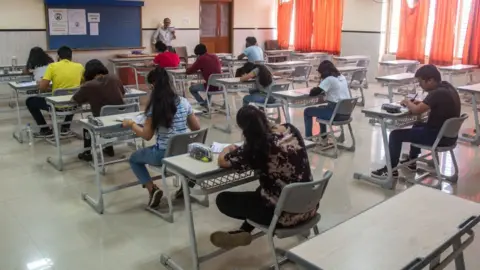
(179, 124)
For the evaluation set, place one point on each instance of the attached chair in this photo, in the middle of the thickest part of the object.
(276, 87)
(212, 82)
(62, 111)
(344, 108)
(300, 74)
(295, 198)
(177, 145)
(450, 129)
(357, 82)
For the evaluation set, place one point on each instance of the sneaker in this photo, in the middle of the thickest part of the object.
(155, 198)
(412, 167)
(383, 173)
(85, 156)
(179, 193)
(45, 133)
(229, 240)
(109, 151)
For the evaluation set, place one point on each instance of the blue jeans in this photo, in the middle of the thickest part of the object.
(322, 112)
(195, 89)
(419, 134)
(256, 97)
(138, 161)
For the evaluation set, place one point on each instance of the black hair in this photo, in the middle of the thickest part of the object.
(428, 72)
(264, 75)
(200, 49)
(65, 52)
(38, 58)
(251, 40)
(93, 68)
(327, 69)
(160, 46)
(163, 100)
(256, 131)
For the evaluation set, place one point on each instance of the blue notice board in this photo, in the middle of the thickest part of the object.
(119, 27)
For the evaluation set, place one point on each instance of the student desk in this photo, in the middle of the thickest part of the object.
(387, 120)
(209, 178)
(113, 127)
(309, 55)
(180, 77)
(65, 101)
(472, 136)
(396, 64)
(298, 98)
(350, 59)
(395, 80)
(232, 62)
(224, 55)
(274, 54)
(141, 69)
(287, 65)
(408, 231)
(124, 62)
(466, 70)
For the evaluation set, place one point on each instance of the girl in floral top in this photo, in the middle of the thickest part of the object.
(278, 154)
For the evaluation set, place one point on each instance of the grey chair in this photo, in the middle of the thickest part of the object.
(450, 129)
(301, 74)
(64, 111)
(212, 82)
(278, 105)
(344, 108)
(176, 145)
(105, 138)
(357, 82)
(296, 198)
(182, 53)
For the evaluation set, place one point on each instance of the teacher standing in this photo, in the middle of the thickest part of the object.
(165, 33)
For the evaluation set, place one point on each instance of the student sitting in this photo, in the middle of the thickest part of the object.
(442, 101)
(253, 53)
(278, 153)
(99, 89)
(165, 58)
(335, 87)
(263, 80)
(166, 115)
(37, 63)
(63, 74)
(208, 64)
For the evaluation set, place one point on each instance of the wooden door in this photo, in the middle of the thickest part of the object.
(216, 25)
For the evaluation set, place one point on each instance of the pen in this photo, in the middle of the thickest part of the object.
(413, 99)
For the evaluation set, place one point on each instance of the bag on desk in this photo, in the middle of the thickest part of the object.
(200, 152)
(316, 91)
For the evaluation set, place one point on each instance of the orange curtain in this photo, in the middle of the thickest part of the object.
(471, 49)
(284, 17)
(413, 31)
(303, 25)
(327, 26)
(443, 40)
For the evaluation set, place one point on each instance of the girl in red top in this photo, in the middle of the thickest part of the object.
(165, 59)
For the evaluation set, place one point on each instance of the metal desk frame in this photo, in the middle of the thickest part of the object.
(473, 90)
(393, 82)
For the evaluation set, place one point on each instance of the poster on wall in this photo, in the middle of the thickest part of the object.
(77, 22)
(93, 17)
(94, 29)
(58, 21)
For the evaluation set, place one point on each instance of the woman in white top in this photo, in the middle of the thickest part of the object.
(37, 63)
(335, 88)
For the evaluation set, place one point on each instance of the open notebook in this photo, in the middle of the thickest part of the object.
(139, 119)
(218, 147)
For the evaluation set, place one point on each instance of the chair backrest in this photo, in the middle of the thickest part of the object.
(451, 127)
(411, 68)
(178, 144)
(119, 109)
(212, 80)
(359, 76)
(363, 63)
(276, 87)
(182, 53)
(302, 71)
(298, 198)
(345, 107)
(65, 91)
(272, 45)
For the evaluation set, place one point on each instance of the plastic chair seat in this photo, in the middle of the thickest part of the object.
(290, 231)
(336, 123)
(438, 149)
(269, 105)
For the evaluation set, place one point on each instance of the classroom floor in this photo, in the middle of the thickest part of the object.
(43, 218)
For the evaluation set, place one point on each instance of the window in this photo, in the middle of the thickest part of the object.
(461, 26)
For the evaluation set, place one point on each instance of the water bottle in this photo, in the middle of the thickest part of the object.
(14, 63)
(29, 132)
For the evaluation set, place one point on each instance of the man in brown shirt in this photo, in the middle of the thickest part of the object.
(99, 89)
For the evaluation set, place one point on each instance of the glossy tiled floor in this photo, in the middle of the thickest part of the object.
(43, 220)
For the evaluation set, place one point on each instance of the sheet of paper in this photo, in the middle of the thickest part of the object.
(24, 84)
(77, 22)
(139, 119)
(93, 17)
(94, 29)
(218, 147)
(58, 21)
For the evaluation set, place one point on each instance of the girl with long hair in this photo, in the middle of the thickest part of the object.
(278, 153)
(37, 63)
(167, 114)
(263, 80)
(335, 88)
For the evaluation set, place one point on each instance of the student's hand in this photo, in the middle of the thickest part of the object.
(127, 123)
(416, 102)
(405, 102)
(232, 147)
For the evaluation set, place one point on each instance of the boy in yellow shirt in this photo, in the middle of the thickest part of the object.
(63, 74)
